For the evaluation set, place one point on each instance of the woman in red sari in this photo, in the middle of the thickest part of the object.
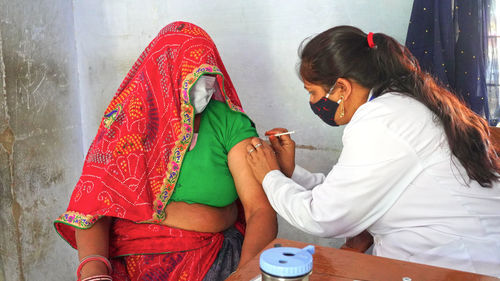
(157, 199)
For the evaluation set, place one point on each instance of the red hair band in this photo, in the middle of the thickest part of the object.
(369, 38)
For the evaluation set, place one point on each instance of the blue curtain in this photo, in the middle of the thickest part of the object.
(493, 65)
(449, 38)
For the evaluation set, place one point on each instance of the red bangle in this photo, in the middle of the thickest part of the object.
(93, 258)
(99, 278)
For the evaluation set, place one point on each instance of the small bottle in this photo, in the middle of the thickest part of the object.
(286, 264)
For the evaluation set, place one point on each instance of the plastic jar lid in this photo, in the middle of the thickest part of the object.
(287, 261)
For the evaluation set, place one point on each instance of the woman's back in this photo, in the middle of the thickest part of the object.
(442, 218)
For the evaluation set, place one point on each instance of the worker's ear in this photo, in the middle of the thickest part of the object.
(344, 88)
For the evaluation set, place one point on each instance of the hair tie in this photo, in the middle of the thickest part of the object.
(369, 38)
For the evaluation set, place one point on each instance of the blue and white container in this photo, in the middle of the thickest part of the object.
(287, 264)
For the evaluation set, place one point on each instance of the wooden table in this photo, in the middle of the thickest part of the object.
(342, 265)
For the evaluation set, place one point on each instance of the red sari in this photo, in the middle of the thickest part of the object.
(132, 166)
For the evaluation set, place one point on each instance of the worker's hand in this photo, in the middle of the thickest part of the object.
(261, 158)
(284, 147)
(359, 243)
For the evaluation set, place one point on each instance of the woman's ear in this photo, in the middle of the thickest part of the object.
(345, 87)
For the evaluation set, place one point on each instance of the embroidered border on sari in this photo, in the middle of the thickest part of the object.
(77, 219)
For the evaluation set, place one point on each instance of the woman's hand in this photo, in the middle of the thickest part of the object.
(261, 158)
(284, 147)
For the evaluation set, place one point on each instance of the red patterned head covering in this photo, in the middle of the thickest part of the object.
(134, 161)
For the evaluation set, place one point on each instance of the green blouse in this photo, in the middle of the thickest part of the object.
(205, 177)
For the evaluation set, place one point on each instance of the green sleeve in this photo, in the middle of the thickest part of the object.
(239, 127)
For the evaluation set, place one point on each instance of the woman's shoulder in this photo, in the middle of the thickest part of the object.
(221, 110)
(217, 106)
(221, 107)
(233, 126)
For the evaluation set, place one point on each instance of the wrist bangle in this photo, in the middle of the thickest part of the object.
(99, 278)
(93, 258)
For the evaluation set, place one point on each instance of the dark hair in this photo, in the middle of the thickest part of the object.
(343, 51)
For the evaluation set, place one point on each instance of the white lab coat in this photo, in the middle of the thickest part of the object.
(396, 177)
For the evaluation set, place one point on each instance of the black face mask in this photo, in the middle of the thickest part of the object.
(325, 109)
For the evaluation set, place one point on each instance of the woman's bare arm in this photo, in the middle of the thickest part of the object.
(94, 241)
(260, 217)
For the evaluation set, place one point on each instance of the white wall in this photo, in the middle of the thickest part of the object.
(258, 42)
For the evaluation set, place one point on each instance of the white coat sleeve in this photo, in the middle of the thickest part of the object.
(305, 178)
(374, 168)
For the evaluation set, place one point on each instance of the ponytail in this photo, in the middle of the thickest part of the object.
(380, 63)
